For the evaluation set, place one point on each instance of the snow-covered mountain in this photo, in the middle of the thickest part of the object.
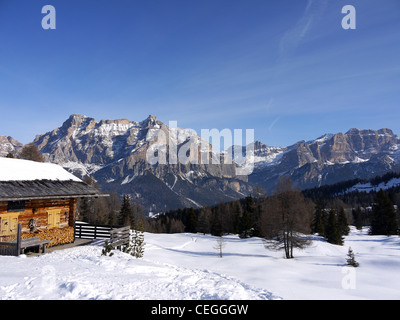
(114, 152)
(328, 159)
(8, 145)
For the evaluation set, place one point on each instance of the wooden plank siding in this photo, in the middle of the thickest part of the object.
(59, 231)
(38, 209)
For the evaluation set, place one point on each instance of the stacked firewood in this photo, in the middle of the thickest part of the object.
(56, 235)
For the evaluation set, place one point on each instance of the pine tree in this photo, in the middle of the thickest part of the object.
(216, 224)
(332, 231)
(383, 216)
(351, 260)
(318, 225)
(191, 221)
(107, 249)
(136, 244)
(357, 217)
(203, 224)
(236, 215)
(125, 217)
(245, 225)
(342, 222)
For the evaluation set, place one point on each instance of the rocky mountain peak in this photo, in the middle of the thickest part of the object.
(150, 122)
(8, 145)
(114, 152)
(332, 158)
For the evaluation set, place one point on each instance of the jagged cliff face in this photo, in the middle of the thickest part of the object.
(331, 158)
(114, 152)
(8, 145)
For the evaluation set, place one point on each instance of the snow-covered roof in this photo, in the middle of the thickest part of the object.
(29, 180)
(26, 170)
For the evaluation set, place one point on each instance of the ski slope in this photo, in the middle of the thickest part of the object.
(186, 266)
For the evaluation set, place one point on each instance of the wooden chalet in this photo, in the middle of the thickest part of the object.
(42, 198)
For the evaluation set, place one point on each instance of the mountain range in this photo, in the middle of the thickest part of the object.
(328, 159)
(114, 152)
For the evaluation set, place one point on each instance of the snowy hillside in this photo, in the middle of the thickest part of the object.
(368, 186)
(186, 266)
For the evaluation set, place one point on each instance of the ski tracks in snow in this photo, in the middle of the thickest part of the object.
(82, 273)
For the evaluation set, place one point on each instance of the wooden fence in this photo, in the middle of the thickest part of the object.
(120, 236)
(91, 231)
(117, 235)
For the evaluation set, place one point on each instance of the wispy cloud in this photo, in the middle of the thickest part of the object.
(273, 124)
(294, 36)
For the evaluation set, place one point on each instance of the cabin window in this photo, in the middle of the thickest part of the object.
(8, 224)
(16, 206)
(53, 218)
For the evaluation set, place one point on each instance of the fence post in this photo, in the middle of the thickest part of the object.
(18, 248)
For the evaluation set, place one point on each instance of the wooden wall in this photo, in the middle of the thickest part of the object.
(37, 209)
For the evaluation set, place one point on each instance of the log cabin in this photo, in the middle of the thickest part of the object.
(42, 197)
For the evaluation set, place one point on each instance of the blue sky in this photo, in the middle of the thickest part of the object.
(286, 69)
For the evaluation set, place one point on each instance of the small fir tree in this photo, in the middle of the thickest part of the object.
(136, 244)
(107, 249)
(351, 260)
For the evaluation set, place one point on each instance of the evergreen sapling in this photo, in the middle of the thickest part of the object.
(107, 249)
(351, 260)
(136, 244)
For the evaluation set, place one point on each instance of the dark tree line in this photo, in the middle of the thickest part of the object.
(238, 217)
(330, 223)
(285, 216)
(271, 217)
(282, 219)
(110, 210)
(325, 194)
(383, 220)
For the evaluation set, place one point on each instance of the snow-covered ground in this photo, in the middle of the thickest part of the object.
(186, 266)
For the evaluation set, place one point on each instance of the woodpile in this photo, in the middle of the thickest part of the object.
(56, 235)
